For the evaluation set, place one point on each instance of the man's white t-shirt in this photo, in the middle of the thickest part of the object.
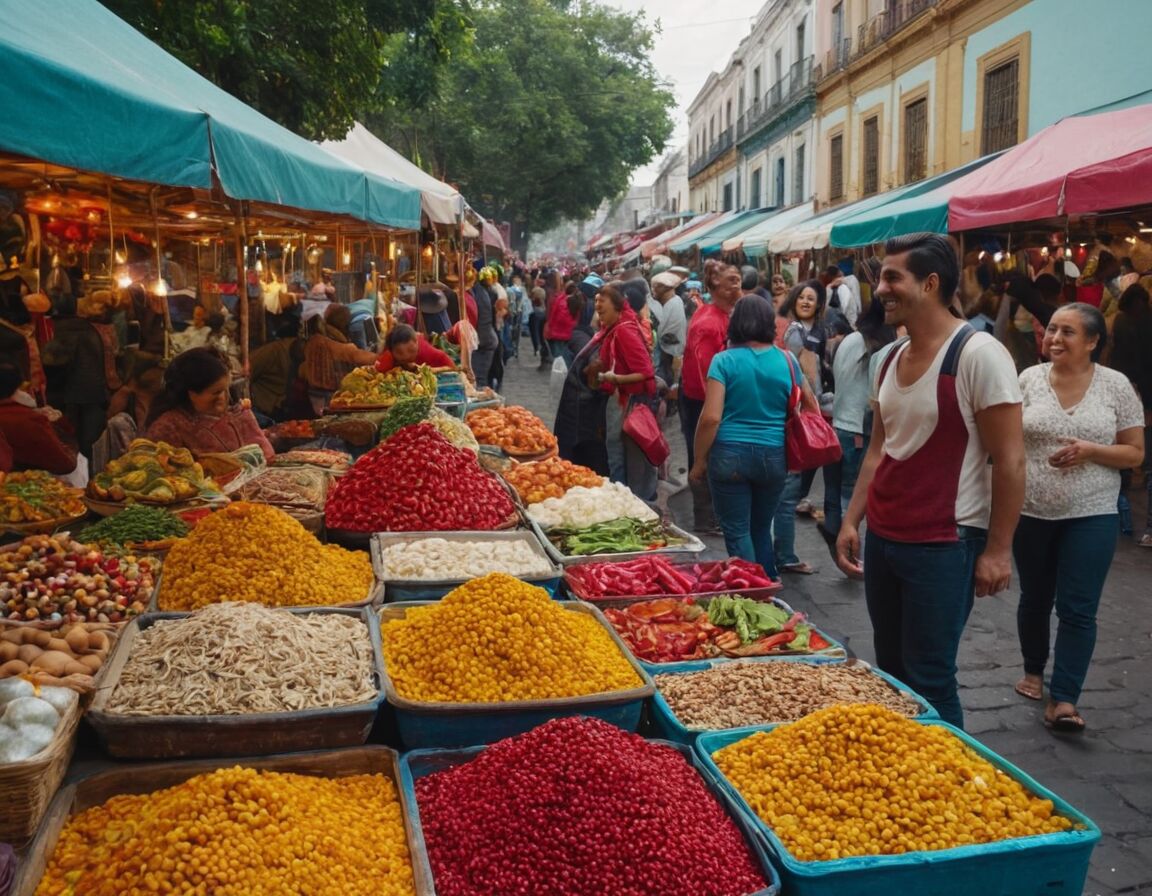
(985, 378)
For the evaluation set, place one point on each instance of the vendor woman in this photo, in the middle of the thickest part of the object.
(406, 348)
(194, 410)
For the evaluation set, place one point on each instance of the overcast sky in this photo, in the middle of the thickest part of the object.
(696, 38)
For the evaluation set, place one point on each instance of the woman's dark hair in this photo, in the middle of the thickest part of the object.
(929, 253)
(611, 291)
(338, 317)
(1094, 325)
(398, 335)
(10, 378)
(191, 371)
(575, 303)
(753, 320)
(635, 293)
(1133, 298)
(788, 309)
(876, 333)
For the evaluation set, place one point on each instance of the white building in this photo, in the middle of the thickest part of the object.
(670, 190)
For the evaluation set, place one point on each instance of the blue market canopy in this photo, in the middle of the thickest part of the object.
(87, 91)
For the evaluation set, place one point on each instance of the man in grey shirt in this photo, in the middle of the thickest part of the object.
(672, 329)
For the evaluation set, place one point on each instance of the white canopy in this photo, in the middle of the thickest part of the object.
(440, 202)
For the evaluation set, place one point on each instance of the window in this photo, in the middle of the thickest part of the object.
(754, 189)
(798, 193)
(870, 180)
(836, 167)
(800, 42)
(778, 200)
(1001, 107)
(729, 113)
(711, 131)
(742, 103)
(756, 87)
(727, 198)
(916, 141)
(837, 28)
(778, 66)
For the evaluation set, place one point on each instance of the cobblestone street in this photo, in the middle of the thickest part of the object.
(1106, 773)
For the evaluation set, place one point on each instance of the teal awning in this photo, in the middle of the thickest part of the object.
(84, 89)
(713, 242)
(701, 236)
(915, 208)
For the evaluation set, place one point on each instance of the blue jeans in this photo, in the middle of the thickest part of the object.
(840, 479)
(1062, 563)
(919, 596)
(511, 336)
(627, 463)
(746, 482)
(784, 522)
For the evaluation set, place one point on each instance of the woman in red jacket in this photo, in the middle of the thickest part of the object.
(624, 370)
(560, 324)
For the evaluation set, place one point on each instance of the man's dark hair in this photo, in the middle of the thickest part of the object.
(749, 278)
(398, 335)
(1133, 297)
(1048, 286)
(929, 253)
(10, 379)
(753, 320)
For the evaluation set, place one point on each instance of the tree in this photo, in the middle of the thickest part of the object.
(545, 115)
(314, 66)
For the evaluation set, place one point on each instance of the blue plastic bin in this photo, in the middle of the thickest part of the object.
(666, 724)
(449, 725)
(1042, 865)
(418, 763)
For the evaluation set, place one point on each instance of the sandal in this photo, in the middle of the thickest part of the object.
(1065, 723)
(800, 568)
(804, 508)
(1033, 690)
(1145, 540)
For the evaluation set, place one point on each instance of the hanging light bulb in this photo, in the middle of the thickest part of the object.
(123, 281)
(160, 288)
(120, 259)
(347, 256)
(259, 266)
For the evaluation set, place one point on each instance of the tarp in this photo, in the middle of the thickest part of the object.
(692, 237)
(754, 240)
(713, 242)
(83, 89)
(440, 202)
(649, 248)
(492, 236)
(1080, 165)
(915, 208)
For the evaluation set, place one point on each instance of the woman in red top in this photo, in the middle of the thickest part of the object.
(560, 324)
(625, 369)
(406, 348)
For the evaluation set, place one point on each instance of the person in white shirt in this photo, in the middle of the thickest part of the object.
(672, 329)
(851, 285)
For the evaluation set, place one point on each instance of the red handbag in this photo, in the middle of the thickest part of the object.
(809, 439)
(644, 429)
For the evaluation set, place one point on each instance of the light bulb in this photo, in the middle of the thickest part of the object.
(123, 281)
(192, 215)
(998, 257)
(259, 266)
(161, 288)
(347, 258)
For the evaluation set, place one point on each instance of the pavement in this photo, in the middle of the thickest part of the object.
(1106, 772)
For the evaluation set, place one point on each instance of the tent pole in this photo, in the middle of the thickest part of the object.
(465, 356)
(161, 287)
(241, 244)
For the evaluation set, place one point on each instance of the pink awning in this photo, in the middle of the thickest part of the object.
(492, 237)
(660, 244)
(1080, 165)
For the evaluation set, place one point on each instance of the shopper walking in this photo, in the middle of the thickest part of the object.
(940, 517)
(1083, 423)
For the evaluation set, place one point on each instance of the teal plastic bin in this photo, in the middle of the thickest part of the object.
(450, 725)
(666, 724)
(418, 763)
(1042, 865)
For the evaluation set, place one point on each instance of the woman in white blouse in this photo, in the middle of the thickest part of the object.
(1083, 423)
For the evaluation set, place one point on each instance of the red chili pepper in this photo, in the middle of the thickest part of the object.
(816, 641)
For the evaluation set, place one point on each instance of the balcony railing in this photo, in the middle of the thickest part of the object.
(871, 34)
(784, 94)
(721, 145)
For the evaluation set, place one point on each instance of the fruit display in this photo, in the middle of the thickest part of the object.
(291, 429)
(497, 639)
(579, 806)
(365, 388)
(138, 527)
(456, 431)
(326, 458)
(153, 473)
(877, 783)
(29, 716)
(672, 630)
(436, 559)
(58, 578)
(36, 496)
(656, 576)
(239, 831)
(257, 553)
(551, 478)
(736, 695)
(292, 488)
(66, 656)
(515, 430)
(417, 482)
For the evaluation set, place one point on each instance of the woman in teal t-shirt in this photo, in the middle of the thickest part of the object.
(740, 438)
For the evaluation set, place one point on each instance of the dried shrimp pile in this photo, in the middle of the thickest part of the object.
(237, 658)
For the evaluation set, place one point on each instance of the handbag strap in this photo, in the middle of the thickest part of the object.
(795, 394)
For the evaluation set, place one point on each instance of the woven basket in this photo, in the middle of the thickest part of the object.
(26, 788)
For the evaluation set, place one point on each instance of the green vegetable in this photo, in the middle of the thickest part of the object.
(624, 535)
(406, 412)
(752, 619)
(135, 523)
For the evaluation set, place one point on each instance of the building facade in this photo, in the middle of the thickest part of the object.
(712, 156)
(911, 88)
(670, 189)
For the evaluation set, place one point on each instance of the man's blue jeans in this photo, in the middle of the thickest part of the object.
(919, 596)
(840, 479)
(1062, 563)
(746, 482)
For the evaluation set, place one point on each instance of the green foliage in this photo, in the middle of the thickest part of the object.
(314, 66)
(544, 115)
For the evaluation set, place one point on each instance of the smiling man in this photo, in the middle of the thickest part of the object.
(943, 480)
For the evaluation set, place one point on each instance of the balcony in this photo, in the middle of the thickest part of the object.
(876, 31)
(721, 145)
(796, 85)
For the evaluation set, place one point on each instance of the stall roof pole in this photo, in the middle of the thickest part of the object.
(161, 287)
(242, 286)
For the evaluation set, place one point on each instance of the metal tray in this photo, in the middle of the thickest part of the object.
(425, 589)
(691, 545)
(374, 598)
(238, 734)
